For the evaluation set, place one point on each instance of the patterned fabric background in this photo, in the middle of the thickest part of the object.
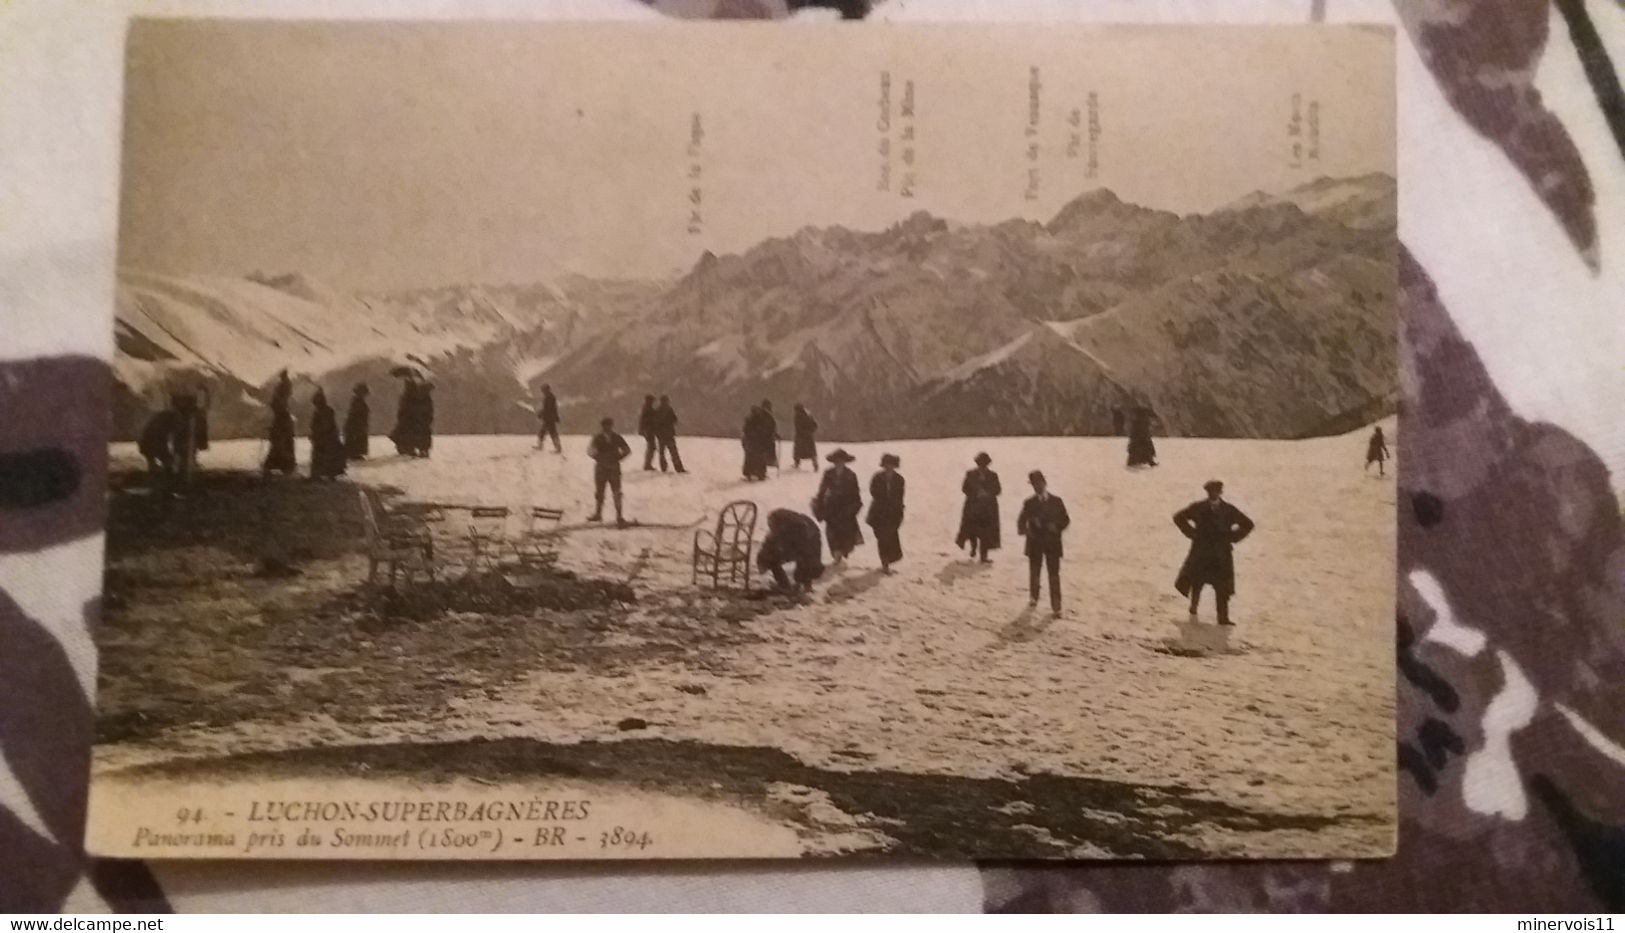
(1510, 637)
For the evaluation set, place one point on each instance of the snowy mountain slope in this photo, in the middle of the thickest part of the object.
(1271, 317)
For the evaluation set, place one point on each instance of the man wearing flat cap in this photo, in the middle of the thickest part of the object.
(1214, 528)
(1042, 520)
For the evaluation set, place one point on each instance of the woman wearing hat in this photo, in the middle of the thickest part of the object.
(837, 505)
(886, 510)
(979, 520)
(1214, 527)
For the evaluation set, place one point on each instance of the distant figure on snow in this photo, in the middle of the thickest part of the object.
(1043, 519)
(646, 430)
(1142, 451)
(414, 417)
(547, 419)
(805, 446)
(327, 458)
(171, 439)
(280, 457)
(1214, 527)
(607, 449)
(886, 510)
(837, 505)
(760, 439)
(357, 423)
(1376, 450)
(979, 519)
(792, 538)
(665, 423)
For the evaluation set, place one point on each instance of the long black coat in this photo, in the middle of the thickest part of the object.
(806, 447)
(357, 423)
(886, 513)
(549, 415)
(1043, 521)
(1214, 529)
(280, 456)
(837, 505)
(326, 449)
(760, 439)
(979, 519)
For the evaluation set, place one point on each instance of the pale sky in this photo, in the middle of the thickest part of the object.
(395, 155)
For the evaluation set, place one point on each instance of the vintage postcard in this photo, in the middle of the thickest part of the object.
(593, 441)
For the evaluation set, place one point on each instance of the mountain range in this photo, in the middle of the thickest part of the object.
(1273, 316)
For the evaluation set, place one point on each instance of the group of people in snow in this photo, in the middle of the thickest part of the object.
(331, 449)
(172, 438)
(1213, 525)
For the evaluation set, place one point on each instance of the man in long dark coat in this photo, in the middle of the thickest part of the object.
(979, 519)
(665, 423)
(1214, 527)
(547, 419)
(280, 457)
(805, 445)
(327, 458)
(886, 510)
(792, 538)
(1142, 450)
(357, 423)
(758, 438)
(607, 449)
(646, 430)
(1042, 520)
(837, 505)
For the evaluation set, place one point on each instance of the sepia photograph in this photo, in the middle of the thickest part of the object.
(935, 442)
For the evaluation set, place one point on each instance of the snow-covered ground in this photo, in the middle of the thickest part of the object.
(943, 669)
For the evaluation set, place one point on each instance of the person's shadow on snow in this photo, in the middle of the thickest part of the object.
(853, 587)
(1026, 626)
(955, 570)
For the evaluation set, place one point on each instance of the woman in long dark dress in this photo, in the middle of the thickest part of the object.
(886, 510)
(979, 520)
(1142, 451)
(406, 415)
(357, 423)
(805, 446)
(837, 505)
(326, 449)
(280, 458)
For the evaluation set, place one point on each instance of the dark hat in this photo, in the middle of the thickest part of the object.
(839, 455)
(982, 459)
(605, 422)
(1036, 476)
(1212, 485)
(361, 389)
(887, 460)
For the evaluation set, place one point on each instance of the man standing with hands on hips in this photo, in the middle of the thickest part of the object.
(1042, 520)
(607, 449)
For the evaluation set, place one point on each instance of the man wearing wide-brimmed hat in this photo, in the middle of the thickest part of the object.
(979, 519)
(1214, 527)
(837, 505)
(886, 510)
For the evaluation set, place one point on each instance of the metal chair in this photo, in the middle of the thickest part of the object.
(724, 554)
(487, 532)
(400, 545)
(537, 545)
